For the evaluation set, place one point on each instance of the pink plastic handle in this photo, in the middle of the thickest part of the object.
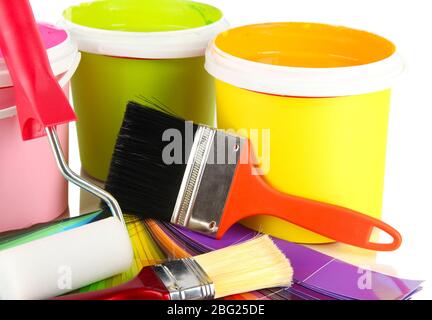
(40, 100)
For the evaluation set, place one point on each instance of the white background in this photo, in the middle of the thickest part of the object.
(408, 190)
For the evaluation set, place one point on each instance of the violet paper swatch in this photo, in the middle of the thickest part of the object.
(313, 271)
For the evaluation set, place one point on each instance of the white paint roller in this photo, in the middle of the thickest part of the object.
(65, 261)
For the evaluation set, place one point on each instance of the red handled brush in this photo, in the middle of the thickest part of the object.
(210, 196)
(253, 265)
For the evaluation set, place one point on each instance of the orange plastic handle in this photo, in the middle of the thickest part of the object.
(250, 195)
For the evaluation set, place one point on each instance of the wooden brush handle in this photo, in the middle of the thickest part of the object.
(250, 195)
(146, 286)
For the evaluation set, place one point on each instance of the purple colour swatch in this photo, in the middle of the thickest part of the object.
(316, 275)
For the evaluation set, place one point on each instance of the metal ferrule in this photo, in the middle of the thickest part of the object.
(207, 180)
(185, 280)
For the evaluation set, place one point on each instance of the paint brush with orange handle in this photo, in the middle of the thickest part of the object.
(210, 196)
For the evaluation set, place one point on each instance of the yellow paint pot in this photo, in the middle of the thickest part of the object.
(323, 93)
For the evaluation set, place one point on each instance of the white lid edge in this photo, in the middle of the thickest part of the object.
(67, 76)
(177, 44)
(61, 57)
(303, 82)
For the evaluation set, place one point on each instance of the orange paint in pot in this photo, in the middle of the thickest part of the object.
(324, 93)
(304, 45)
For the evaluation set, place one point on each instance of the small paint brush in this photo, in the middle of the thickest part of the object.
(252, 265)
(217, 186)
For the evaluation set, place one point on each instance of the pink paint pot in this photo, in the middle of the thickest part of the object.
(32, 189)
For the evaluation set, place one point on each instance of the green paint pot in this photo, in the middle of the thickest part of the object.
(134, 49)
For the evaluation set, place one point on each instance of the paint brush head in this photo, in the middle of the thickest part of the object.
(253, 265)
(144, 184)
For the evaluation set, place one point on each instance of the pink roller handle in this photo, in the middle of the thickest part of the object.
(40, 100)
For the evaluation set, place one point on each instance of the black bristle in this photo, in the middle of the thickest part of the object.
(139, 179)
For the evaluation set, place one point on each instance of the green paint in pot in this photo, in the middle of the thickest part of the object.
(103, 85)
(143, 16)
(138, 49)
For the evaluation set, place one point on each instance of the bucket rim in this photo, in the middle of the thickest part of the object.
(303, 81)
(61, 57)
(176, 44)
(9, 111)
